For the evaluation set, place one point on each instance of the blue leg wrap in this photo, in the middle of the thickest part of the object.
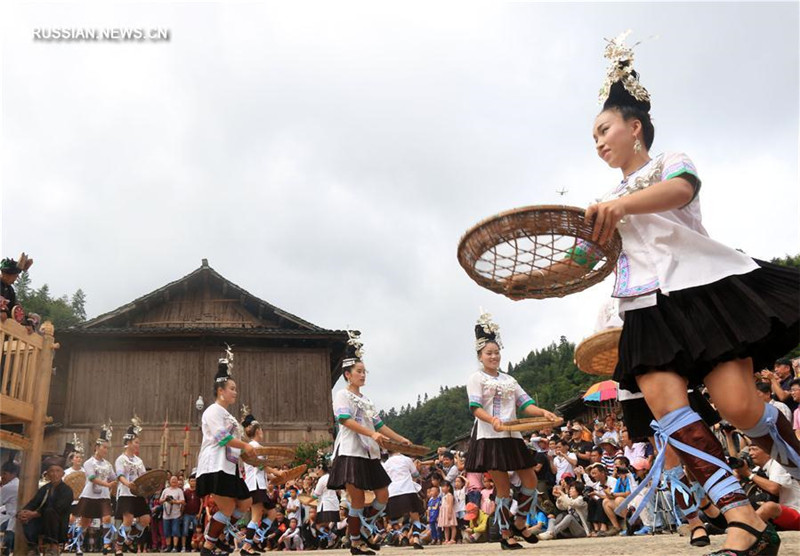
(673, 478)
(528, 497)
(109, 533)
(501, 513)
(781, 452)
(221, 518)
(77, 536)
(718, 485)
(359, 513)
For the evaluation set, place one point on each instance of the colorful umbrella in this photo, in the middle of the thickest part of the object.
(601, 392)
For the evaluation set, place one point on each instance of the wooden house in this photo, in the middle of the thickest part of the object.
(157, 355)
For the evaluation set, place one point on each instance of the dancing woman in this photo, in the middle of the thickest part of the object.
(218, 461)
(695, 311)
(129, 467)
(356, 463)
(95, 499)
(495, 397)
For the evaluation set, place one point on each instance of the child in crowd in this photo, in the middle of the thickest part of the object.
(447, 514)
(197, 539)
(291, 539)
(434, 504)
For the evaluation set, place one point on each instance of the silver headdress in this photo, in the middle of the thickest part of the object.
(354, 350)
(106, 431)
(134, 430)
(77, 445)
(620, 69)
(486, 331)
(225, 365)
(247, 417)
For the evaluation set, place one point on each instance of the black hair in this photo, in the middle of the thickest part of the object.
(764, 387)
(794, 382)
(222, 377)
(10, 467)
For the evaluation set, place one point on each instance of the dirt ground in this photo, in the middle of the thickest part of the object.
(658, 545)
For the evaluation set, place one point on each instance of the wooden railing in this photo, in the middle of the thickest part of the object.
(27, 366)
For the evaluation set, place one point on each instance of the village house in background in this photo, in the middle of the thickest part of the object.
(156, 357)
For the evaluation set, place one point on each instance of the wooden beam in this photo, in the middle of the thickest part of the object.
(14, 441)
(16, 409)
(32, 459)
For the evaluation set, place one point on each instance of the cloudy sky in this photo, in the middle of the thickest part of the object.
(328, 156)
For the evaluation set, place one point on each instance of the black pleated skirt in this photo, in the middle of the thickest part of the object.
(93, 507)
(222, 484)
(135, 505)
(260, 496)
(497, 454)
(331, 516)
(364, 473)
(692, 331)
(403, 504)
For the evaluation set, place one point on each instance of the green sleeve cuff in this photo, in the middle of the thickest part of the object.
(225, 440)
(379, 425)
(526, 404)
(475, 404)
(91, 478)
(677, 173)
(344, 417)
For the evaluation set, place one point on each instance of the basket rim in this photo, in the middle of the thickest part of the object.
(469, 254)
(598, 343)
(519, 210)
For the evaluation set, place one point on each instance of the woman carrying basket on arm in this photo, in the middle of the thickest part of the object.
(356, 453)
(218, 471)
(695, 311)
(495, 397)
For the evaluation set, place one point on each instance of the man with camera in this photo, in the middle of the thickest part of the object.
(173, 500)
(785, 514)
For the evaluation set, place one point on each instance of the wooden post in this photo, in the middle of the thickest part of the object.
(32, 459)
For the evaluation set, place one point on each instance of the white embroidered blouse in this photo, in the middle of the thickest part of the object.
(501, 396)
(668, 251)
(347, 405)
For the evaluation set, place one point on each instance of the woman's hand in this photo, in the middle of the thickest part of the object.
(249, 449)
(496, 423)
(379, 438)
(406, 441)
(549, 416)
(606, 217)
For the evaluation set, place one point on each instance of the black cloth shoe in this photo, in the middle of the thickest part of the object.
(767, 542)
(505, 545)
(700, 540)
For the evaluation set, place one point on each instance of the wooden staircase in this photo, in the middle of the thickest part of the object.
(27, 366)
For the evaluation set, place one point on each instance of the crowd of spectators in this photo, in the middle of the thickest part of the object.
(585, 470)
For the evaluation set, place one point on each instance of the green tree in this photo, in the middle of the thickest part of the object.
(62, 311)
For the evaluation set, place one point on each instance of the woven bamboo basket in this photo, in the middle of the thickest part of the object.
(597, 354)
(289, 475)
(268, 455)
(76, 481)
(149, 483)
(529, 424)
(509, 253)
